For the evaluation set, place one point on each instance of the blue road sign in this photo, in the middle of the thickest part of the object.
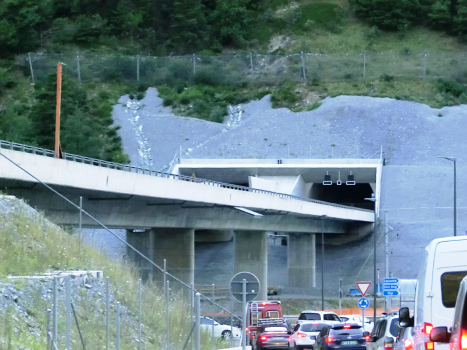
(387, 287)
(389, 293)
(363, 303)
(390, 280)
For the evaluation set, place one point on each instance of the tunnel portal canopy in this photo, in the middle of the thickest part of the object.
(339, 181)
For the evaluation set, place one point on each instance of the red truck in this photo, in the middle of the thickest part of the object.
(263, 313)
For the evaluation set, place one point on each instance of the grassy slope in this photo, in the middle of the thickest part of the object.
(29, 245)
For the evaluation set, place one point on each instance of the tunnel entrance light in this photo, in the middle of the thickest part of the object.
(350, 180)
(327, 179)
(249, 212)
(339, 182)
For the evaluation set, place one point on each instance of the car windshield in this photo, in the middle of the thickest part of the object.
(310, 316)
(394, 327)
(310, 327)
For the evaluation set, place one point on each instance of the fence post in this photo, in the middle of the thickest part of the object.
(194, 64)
(364, 65)
(107, 312)
(424, 64)
(30, 67)
(68, 311)
(118, 326)
(78, 67)
(192, 300)
(139, 301)
(212, 310)
(80, 222)
(49, 312)
(168, 316)
(55, 310)
(165, 278)
(251, 62)
(303, 67)
(137, 68)
(197, 320)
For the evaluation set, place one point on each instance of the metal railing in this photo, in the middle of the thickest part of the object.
(138, 170)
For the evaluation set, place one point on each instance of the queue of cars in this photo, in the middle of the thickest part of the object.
(439, 321)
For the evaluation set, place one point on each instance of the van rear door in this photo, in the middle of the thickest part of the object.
(449, 267)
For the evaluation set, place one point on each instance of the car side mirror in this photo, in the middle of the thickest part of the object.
(404, 318)
(372, 339)
(440, 335)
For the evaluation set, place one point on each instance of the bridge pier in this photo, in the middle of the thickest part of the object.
(301, 260)
(251, 255)
(176, 245)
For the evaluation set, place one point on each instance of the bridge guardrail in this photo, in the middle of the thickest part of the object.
(138, 170)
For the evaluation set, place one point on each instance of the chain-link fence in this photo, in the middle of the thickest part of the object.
(245, 69)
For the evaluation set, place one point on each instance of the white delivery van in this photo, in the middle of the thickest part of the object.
(443, 268)
(456, 336)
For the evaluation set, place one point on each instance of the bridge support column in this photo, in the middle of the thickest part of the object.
(301, 260)
(144, 242)
(251, 255)
(177, 245)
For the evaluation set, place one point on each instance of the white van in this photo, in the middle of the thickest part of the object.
(456, 336)
(443, 268)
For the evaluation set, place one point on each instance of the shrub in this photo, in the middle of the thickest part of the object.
(208, 76)
(388, 14)
(450, 87)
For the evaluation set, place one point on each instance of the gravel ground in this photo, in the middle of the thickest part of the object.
(416, 185)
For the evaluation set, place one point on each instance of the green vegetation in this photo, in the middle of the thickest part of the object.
(29, 245)
(393, 33)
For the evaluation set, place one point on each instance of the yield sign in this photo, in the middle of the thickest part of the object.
(363, 287)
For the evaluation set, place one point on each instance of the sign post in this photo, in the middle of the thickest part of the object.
(244, 287)
(363, 303)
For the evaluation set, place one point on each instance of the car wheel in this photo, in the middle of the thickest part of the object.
(227, 335)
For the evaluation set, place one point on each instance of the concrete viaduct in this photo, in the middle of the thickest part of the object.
(162, 211)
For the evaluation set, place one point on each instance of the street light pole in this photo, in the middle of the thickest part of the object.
(373, 199)
(322, 261)
(454, 160)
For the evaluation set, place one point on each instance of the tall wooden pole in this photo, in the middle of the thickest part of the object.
(57, 110)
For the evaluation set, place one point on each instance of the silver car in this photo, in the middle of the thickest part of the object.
(304, 335)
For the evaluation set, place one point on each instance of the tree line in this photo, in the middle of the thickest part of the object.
(445, 15)
(164, 26)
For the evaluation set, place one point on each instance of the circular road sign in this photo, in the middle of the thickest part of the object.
(252, 286)
(363, 303)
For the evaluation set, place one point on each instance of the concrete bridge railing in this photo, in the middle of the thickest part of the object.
(129, 168)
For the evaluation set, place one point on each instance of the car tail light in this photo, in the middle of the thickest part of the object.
(464, 339)
(408, 344)
(429, 345)
(347, 326)
(388, 345)
(427, 327)
(263, 337)
(367, 337)
(329, 340)
(301, 335)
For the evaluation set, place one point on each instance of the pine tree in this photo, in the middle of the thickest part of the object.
(233, 20)
(439, 15)
(189, 27)
(460, 20)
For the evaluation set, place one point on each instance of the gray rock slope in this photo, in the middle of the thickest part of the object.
(417, 187)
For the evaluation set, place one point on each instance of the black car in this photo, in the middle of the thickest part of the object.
(273, 337)
(346, 336)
